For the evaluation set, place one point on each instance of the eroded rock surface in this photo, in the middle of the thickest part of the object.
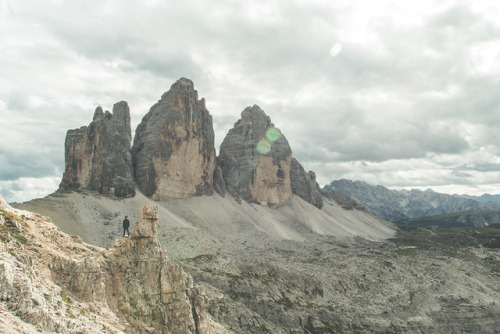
(97, 157)
(52, 282)
(173, 152)
(256, 159)
(304, 184)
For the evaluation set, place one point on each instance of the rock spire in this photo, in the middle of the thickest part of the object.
(304, 184)
(173, 152)
(97, 157)
(255, 159)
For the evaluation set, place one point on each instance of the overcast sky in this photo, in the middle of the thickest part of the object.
(405, 94)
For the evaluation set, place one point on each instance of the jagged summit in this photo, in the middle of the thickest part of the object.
(173, 152)
(97, 156)
(255, 159)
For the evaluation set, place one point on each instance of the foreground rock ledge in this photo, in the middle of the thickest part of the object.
(68, 286)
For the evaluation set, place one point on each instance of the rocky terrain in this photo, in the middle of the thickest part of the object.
(53, 282)
(298, 269)
(273, 252)
(394, 205)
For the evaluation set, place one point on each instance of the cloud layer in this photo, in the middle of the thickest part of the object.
(407, 98)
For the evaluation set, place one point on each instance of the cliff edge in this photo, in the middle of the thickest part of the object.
(50, 281)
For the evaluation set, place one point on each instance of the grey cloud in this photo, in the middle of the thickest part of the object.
(27, 164)
(277, 59)
(481, 167)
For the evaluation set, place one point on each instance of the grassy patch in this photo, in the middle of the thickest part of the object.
(10, 216)
(21, 238)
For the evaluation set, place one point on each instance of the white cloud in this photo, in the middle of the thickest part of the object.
(413, 88)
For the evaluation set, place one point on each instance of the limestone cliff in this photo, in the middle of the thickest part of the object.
(97, 157)
(173, 152)
(304, 184)
(51, 282)
(256, 159)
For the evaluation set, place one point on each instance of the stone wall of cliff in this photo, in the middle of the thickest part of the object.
(97, 157)
(173, 152)
(255, 159)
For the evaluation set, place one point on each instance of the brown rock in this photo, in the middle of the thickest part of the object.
(304, 185)
(138, 281)
(97, 157)
(255, 159)
(173, 152)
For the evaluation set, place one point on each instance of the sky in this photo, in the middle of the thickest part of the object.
(404, 94)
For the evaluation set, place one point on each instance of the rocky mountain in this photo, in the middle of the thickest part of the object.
(97, 157)
(173, 151)
(53, 282)
(491, 202)
(304, 184)
(255, 159)
(456, 219)
(173, 155)
(394, 205)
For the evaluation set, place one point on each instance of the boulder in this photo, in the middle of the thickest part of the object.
(97, 157)
(173, 152)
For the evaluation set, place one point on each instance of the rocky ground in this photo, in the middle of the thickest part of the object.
(422, 281)
(51, 282)
(297, 269)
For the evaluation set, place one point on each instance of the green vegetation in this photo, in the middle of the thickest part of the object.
(10, 230)
(9, 217)
(67, 299)
(21, 238)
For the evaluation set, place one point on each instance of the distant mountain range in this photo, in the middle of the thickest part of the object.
(404, 205)
(493, 200)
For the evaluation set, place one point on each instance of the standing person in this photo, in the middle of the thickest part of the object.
(126, 224)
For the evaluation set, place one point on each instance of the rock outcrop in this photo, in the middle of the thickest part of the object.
(256, 159)
(51, 282)
(97, 157)
(173, 152)
(304, 184)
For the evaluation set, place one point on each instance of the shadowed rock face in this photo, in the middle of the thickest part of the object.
(173, 152)
(255, 159)
(97, 157)
(304, 184)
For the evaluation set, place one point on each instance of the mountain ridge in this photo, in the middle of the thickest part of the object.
(399, 205)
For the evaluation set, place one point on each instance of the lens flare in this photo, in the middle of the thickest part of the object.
(273, 134)
(335, 50)
(264, 146)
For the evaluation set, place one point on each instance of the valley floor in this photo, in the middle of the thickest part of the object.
(422, 281)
